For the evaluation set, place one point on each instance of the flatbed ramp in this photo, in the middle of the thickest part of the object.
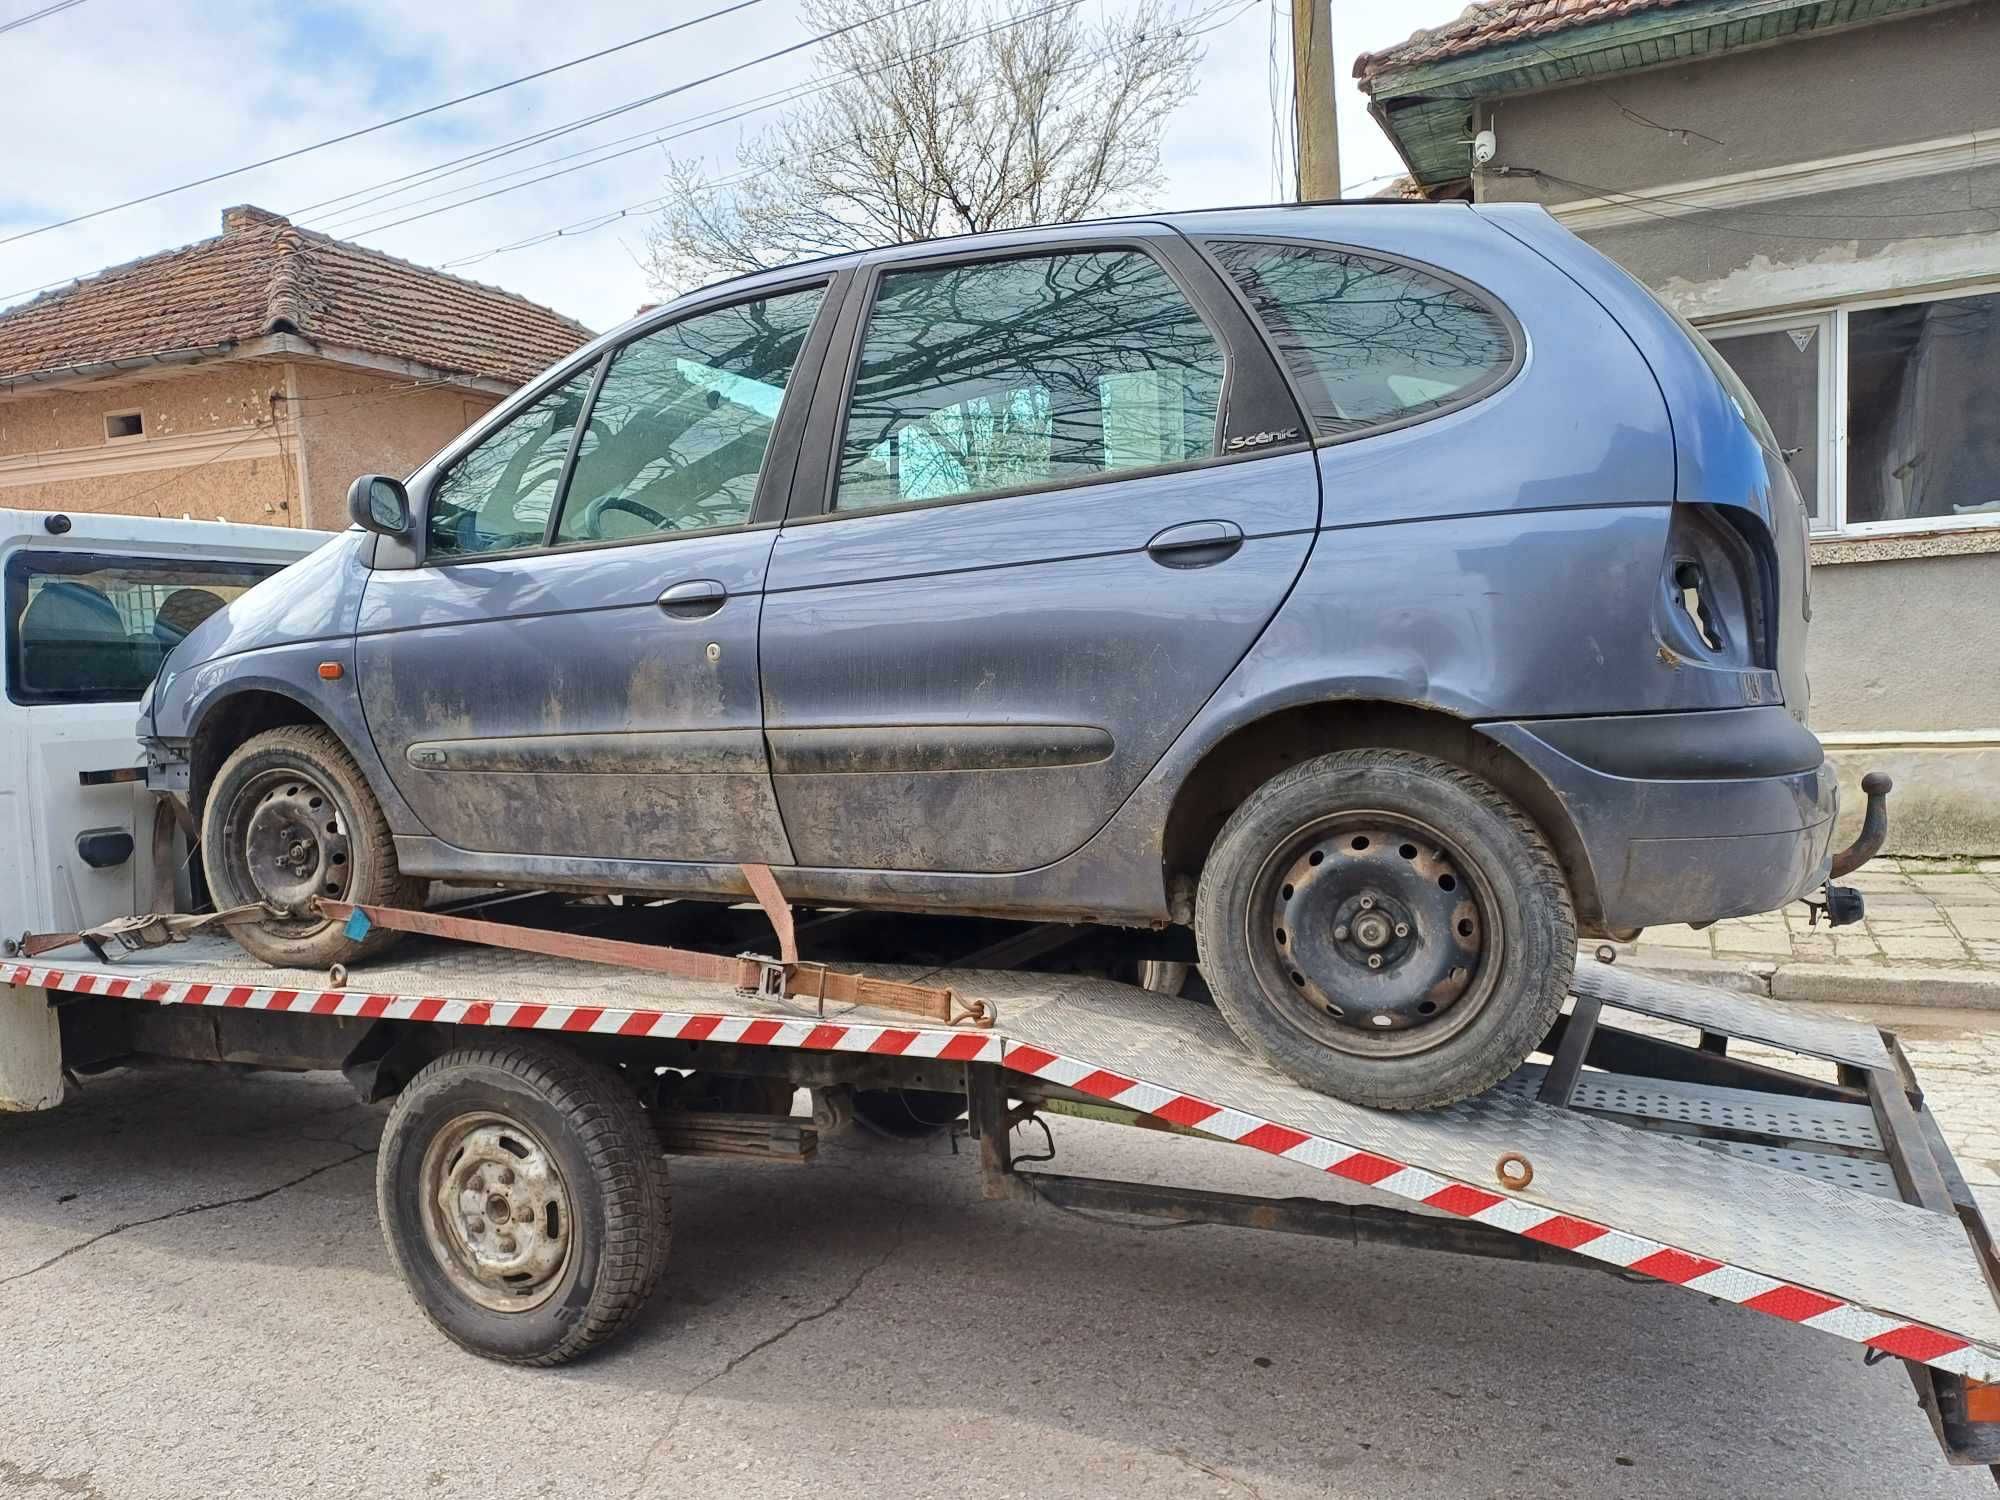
(1826, 1200)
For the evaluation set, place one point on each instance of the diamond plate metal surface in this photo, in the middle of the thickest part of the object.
(1773, 1115)
(1843, 1241)
(1871, 1177)
(1732, 1015)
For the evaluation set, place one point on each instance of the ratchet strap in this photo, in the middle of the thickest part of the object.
(767, 978)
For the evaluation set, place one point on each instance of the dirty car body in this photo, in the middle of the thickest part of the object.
(805, 570)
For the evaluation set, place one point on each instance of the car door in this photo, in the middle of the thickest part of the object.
(572, 669)
(1052, 492)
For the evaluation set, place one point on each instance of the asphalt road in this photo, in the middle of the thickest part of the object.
(196, 1302)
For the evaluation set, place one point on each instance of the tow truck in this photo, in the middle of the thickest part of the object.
(548, 1052)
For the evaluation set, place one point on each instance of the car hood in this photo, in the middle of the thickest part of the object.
(316, 598)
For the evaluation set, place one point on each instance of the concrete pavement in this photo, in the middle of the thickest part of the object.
(1931, 937)
(197, 1303)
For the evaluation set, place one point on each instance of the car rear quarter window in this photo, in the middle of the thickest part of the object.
(1026, 373)
(87, 628)
(1371, 342)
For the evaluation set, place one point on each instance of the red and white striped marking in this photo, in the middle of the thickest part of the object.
(1517, 1215)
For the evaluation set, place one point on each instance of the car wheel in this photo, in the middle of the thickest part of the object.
(524, 1199)
(1385, 928)
(289, 818)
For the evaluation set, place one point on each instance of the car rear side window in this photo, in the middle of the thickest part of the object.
(676, 437)
(1023, 374)
(87, 628)
(1371, 342)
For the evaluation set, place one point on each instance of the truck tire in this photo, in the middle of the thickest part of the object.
(1385, 928)
(524, 1198)
(289, 817)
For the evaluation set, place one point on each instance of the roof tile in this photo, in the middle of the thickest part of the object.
(1488, 23)
(264, 275)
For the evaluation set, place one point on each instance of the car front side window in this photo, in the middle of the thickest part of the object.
(677, 435)
(498, 495)
(1026, 373)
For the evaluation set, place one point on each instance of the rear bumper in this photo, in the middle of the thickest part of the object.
(1688, 817)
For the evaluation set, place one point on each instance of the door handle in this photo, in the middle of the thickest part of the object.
(1196, 544)
(694, 599)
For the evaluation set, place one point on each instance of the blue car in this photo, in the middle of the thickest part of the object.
(1388, 592)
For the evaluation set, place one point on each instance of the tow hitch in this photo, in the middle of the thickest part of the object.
(1843, 904)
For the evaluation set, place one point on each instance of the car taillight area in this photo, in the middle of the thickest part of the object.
(1717, 584)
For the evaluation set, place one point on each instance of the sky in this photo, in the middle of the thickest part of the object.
(108, 100)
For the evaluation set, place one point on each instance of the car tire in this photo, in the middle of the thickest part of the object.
(289, 816)
(1385, 928)
(524, 1198)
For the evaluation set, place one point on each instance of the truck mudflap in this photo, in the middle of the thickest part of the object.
(1781, 1161)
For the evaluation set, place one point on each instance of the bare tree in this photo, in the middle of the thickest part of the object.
(942, 119)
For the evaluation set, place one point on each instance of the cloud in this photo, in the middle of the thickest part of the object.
(108, 101)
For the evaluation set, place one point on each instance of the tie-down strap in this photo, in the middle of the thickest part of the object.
(768, 978)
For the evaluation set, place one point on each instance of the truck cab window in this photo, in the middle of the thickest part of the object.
(83, 628)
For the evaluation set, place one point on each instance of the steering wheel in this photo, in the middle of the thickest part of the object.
(595, 512)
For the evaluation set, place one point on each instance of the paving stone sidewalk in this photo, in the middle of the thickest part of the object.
(1926, 918)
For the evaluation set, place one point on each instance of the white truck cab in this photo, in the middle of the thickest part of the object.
(90, 605)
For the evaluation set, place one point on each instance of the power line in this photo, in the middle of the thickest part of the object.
(1712, 218)
(33, 16)
(724, 73)
(709, 119)
(593, 222)
(584, 122)
(415, 114)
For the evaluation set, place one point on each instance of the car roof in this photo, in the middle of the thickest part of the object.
(1249, 218)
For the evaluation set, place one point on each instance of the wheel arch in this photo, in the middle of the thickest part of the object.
(1250, 754)
(234, 717)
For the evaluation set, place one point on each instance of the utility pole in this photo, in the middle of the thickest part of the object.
(1312, 91)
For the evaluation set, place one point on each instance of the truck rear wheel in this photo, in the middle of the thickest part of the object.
(289, 818)
(1386, 928)
(524, 1198)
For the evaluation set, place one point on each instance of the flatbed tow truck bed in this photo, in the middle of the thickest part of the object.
(1823, 1195)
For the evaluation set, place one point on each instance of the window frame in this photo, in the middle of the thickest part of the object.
(126, 437)
(17, 567)
(1489, 385)
(816, 485)
(767, 504)
(1831, 396)
(1834, 398)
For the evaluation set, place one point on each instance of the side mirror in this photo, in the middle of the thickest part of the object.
(377, 503)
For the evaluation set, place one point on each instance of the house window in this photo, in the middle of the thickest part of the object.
(1883, 408)
(124, 424)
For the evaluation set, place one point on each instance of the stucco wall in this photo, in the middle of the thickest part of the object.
(1911, 79)
(355, 423)
(211, 447)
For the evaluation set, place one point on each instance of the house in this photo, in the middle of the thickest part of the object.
(251, 376)
(1816, 184)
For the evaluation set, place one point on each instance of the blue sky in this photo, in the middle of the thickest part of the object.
(115, 98)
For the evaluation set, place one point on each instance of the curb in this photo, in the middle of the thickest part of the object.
(1827, 983)
(1839, 984)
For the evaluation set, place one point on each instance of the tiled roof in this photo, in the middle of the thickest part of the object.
(1489, 23)
(264, 275)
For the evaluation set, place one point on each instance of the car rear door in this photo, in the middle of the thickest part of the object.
(1052, 491)
(572, 670)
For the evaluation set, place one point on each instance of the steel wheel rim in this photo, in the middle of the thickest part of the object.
(287, 842)
(1433, 912)
(496, 1212)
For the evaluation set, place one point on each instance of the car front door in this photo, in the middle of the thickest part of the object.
(572, 669)
(1050, 496)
